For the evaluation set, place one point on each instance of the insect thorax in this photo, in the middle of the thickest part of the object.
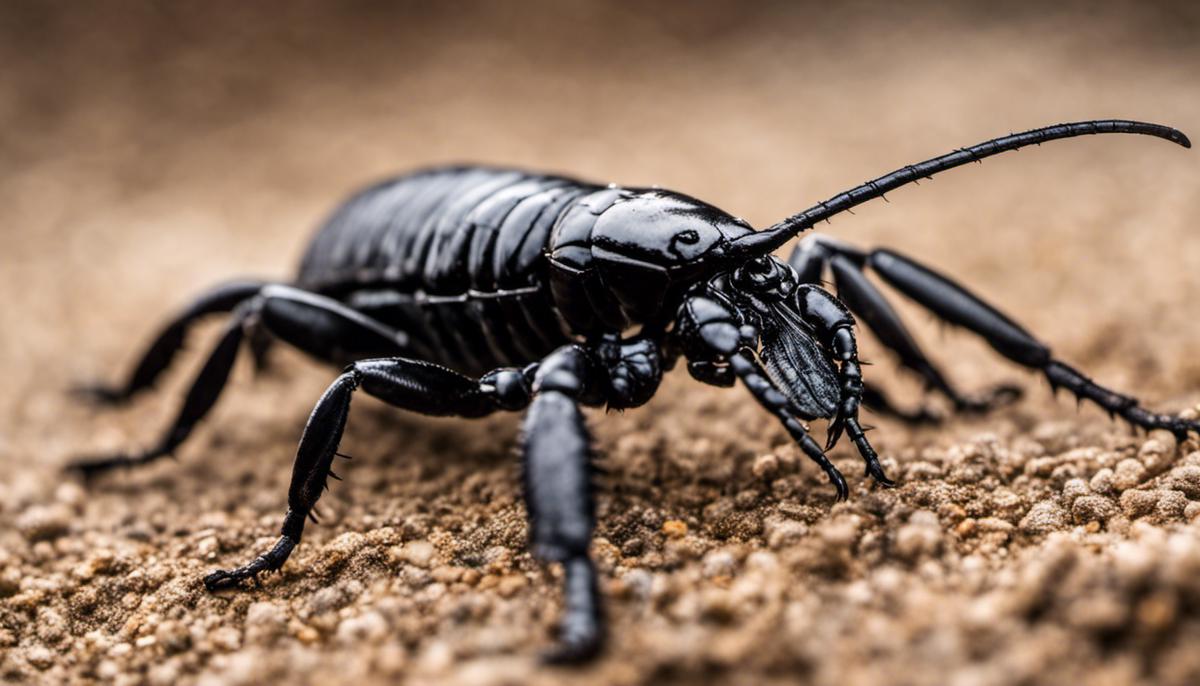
(622, 257)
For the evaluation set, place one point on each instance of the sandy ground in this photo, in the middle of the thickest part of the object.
(146, 153)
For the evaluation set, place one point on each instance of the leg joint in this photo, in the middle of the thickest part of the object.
(565, 370)
(511, 388)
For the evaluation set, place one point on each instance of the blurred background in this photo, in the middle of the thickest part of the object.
(149, 149)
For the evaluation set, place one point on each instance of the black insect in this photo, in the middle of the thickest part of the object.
(465, 291)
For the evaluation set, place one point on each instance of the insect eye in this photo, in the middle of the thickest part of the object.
(685, 237)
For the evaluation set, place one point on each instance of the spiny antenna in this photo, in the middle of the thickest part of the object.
(763, 242)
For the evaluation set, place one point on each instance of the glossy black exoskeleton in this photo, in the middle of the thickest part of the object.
(464, 291)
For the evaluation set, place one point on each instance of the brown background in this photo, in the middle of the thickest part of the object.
(148, 150)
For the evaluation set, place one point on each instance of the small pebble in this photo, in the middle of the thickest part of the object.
(265, 621)
(765, 467)
(39, 656)
(1093, 508)
(1138, 503)
(418, 553)
(781, 532)
(1155, 455)
(173, 636)
(511, 584)
(1170, 506)
(1045, 517)
(44, 522)
(1074, 489)
(328, 599)
(921, 536)
(224, 638)
(368, 627)
(718, 563)
(638, 583)
(1129, 473)
(1184, 479)
(1190, 512)
(674, 528)
(1102, 482)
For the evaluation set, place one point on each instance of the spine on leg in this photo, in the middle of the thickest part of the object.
(318, 445)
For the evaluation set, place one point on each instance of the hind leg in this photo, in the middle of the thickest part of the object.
(316, 325)
(158, 356)
(956, 305)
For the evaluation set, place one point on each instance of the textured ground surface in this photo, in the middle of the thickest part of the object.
(145, 154)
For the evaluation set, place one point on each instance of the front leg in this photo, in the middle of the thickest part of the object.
(850, 372)
(747, 368)
(558, 494)
(720, 347)
(835, 324)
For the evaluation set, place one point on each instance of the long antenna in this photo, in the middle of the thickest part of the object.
(763, 242)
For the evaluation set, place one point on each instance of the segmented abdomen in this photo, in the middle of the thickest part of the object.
(453, 257)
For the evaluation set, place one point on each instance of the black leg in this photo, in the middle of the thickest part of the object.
(755, 378)
(260, 343)
(558, 494)
(861, 296)
(325, 328)
(834, 324)
(721, 347)
(158, 356)
(557, 465)
(319, 326)
(956, 305)
(200, 398)
(409, 384)
(809, 259)
(869, 305)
